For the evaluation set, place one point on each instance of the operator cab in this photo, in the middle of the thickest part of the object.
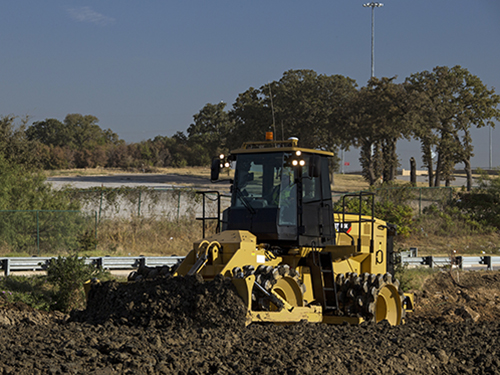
(281, 193)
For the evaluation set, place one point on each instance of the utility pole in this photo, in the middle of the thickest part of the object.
(373, 5)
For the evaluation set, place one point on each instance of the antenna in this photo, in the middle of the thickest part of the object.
(272, 109)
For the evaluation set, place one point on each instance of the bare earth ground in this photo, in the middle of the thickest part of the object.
(186, 326)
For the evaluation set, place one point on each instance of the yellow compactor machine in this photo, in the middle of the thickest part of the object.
(290, 257)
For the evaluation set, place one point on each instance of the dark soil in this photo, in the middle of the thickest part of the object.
(186, 326)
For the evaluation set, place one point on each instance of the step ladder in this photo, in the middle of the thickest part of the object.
(325, 286)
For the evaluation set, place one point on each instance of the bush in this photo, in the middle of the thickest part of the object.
(68, 275)
(482, 204)
(399, 214)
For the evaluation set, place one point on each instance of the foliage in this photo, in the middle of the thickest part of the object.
(68, 275)
(387, 210)
(210, 129)
(437, 108)
(446, 103)
(24, 192)
(412, 278)
(379, 120)
(15, 147)
(36, 232)
(449, 221)
(87, 241)
(31, 290)
(399, 214)
(301, 104)
(78, 141)
(353, 205)
(482, 204)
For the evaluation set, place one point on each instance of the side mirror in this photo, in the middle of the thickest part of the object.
(314, 166)
(215, 169)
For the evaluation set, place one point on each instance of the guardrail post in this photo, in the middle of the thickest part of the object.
(486, 260)
(428, 261)
(99, 263)
(457, 261)
(6, 267)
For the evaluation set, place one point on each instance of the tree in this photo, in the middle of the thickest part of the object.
(301, 104)
(24, 188)
(314, 108)
(251, 118)
(450, 101)
(210, 129)
(78, 137)
(50, 132)
(84, 132)
(14, 145)
(379, 120)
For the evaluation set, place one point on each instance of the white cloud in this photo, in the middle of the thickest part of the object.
(85, 14)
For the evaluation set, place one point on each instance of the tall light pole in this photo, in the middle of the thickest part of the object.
(373, 5)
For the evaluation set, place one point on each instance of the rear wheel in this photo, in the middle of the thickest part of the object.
(371, 297)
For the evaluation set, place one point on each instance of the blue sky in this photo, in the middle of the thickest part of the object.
(144, 68)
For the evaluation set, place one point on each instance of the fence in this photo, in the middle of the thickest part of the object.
(417, 197)
(171, 204)
(38, 231)
(35, 231)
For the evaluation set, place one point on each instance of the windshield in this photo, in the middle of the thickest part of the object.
(262, 180)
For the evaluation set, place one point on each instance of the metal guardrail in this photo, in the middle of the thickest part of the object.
(13, 264)
(459, 261)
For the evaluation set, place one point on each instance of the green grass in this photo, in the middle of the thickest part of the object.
(413, 278)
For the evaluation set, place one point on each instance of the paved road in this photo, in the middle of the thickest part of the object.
(135, 180)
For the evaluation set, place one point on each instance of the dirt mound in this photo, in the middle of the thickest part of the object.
(165, 302)
(454, 297)
(187, 326)
(16, 313)
(416, 348)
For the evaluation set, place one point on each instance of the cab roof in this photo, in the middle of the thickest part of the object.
(290, 145)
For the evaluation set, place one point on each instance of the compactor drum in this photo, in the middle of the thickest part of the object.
(290, 257)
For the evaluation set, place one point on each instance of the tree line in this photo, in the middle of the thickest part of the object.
(437, 108)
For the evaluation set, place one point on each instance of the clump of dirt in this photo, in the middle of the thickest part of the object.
(458, 296)
(165, 302)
